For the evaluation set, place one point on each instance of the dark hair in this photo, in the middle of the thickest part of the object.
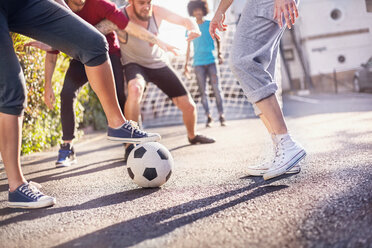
(198, 4)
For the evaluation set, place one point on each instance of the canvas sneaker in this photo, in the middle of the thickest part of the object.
(222, 121)
(129, 132)
(28, 196)
(288, 154)
(209, 121)
(66, 156)
(201, 139)
(127, 152)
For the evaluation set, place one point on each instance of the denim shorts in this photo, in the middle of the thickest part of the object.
(46, 21)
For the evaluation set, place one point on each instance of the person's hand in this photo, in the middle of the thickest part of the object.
(40, 45)
(192, 34)
(168, 48)
(220, 59)
(287, 8)
(217, 23)
(49, 97)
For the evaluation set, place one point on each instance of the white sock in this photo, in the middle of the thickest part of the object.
(273, 138)
(285, 138)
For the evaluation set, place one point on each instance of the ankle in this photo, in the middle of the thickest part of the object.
(14, 185)
(115, 124)
(284, 139)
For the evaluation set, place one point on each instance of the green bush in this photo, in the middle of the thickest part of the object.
(42, 127)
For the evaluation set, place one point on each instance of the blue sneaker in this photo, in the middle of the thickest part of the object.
(130, 133)
(66, 156)
(28, 196)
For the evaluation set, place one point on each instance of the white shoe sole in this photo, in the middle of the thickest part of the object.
(136, 140)
(30, 205)
(260, 172)
(66, 164)
(285, 168)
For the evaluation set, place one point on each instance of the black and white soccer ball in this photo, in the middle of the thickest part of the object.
(150, 164)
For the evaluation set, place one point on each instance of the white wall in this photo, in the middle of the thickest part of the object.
(323, 53)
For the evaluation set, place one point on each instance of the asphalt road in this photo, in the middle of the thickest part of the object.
(210, 201)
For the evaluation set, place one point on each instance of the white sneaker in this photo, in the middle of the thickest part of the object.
(288, 154)
(259, 170)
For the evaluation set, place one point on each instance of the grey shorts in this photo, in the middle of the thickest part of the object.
(46, 21)
(255, 49)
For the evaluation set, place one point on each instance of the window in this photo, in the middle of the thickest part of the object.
(341, 59)
(288, 54)
(369, 5)
(336, 14)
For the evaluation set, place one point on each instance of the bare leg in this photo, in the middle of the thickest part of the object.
(135, 92)
(266, 123)
(101, 79)
(188, 108)
(10, 148)
(271, 111)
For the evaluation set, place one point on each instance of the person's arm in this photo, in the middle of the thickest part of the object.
(136, 30)
(186, 67)
(50, 64)
(219, 54)
(188, 23)
(219, 18)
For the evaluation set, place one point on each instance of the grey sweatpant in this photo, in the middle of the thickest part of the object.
(255, 49)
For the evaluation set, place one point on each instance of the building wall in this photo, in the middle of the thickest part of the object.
(338, 37)
(334, 36)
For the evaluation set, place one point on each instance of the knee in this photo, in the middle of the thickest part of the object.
(13, 101)
(187, 105)
(135, 90)
(96, 52)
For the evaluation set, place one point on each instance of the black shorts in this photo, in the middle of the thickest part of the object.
(165, 78)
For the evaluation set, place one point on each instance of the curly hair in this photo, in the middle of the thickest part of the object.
(198, 4)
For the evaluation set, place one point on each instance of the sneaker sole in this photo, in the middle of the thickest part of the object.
(60, 165)
(275, 173)
(31, 205)
(259, 173)
(135, 140)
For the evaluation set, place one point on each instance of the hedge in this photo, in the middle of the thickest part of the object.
(41, 126)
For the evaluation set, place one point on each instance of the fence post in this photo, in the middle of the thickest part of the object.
(335, 80)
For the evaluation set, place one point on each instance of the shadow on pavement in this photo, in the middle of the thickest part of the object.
(54, 158)
(107, 200)
(179, 147)
(159, 223)
(70, 173)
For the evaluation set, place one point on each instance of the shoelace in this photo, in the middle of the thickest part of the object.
(32, 190)
(133, 126)
(279, 153)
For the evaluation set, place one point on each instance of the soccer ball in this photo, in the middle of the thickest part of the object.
(150, 164)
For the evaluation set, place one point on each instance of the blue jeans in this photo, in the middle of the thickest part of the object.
(202, 72)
